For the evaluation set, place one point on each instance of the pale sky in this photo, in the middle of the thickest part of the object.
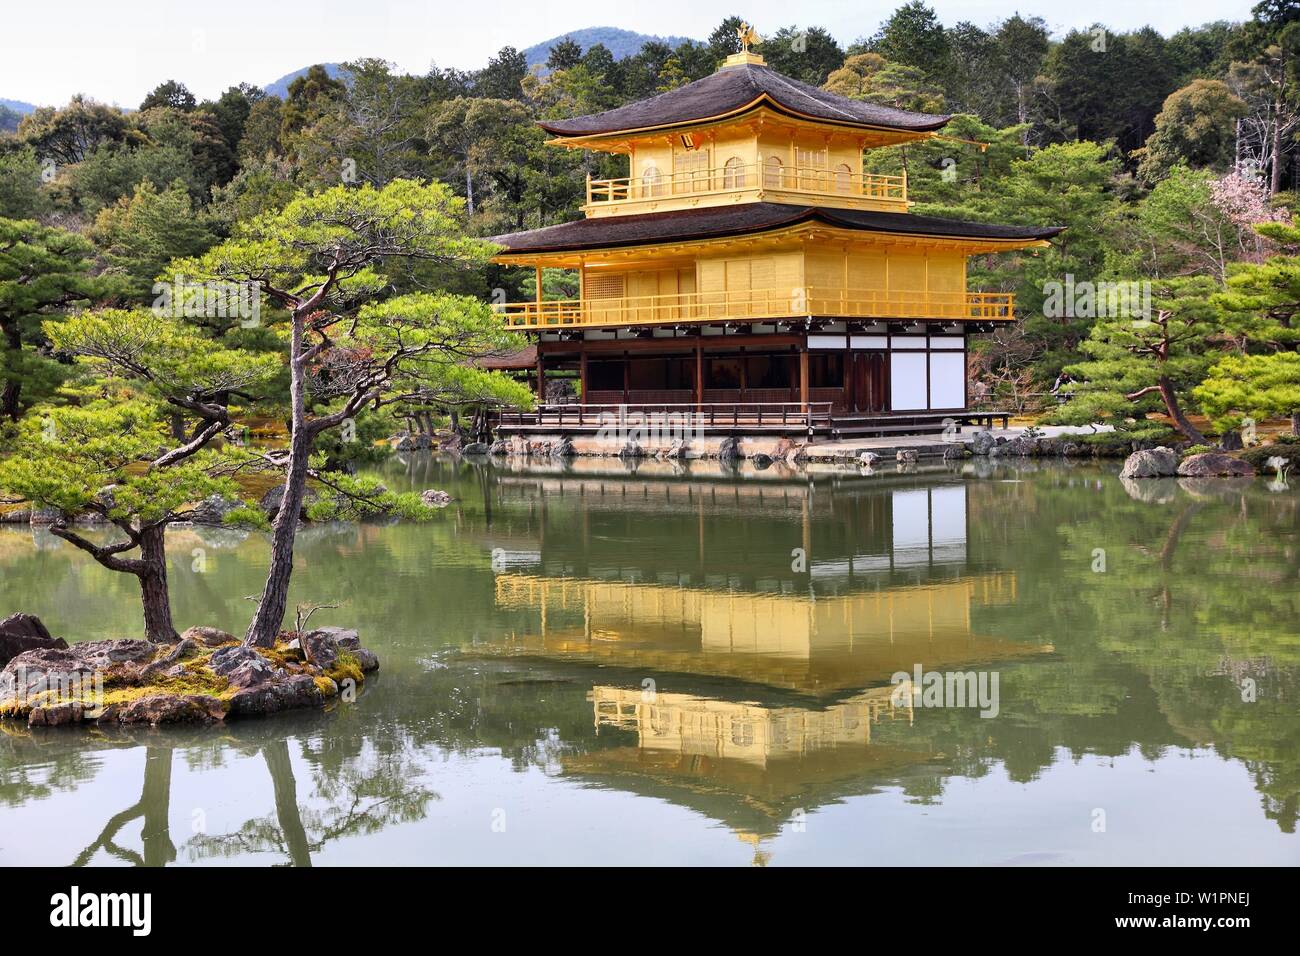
(118, 51)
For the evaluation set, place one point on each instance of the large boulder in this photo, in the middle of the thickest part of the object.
(982, 442)
(1158, 462)
(208, 636)
(299, 690)
(158, 709)
(320, 648)
(24, 632)
(729, 450)
(101, 655)
(345, 638)
(272, 500)
(1214, 465)
(905, 456)
(241, 666)
(65, 669)
(213, 509)
(435, 498)
(476, 448)
(57, 715)
(562, 448)
(410, 443)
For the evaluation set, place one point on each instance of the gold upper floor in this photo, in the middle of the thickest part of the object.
(763, 151)
(761, 159)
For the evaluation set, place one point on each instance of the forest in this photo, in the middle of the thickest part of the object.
(1172, 161)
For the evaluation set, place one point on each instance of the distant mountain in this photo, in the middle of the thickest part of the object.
(280, 87)
(11, 111)
(621, 43)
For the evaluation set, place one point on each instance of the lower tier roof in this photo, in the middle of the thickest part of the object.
(744, 219)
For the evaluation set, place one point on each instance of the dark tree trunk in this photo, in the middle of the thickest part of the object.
(9, 396)
(1295, 422)
(265, 626)
(158, 625)
(12, 390)
(1176, 411)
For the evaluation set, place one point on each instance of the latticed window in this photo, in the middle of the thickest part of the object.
(772, 170)
(733, 174)
(843, 178)
(690, 170)
(603, 286)
(811, 158)
(651, 181)
(812, 167)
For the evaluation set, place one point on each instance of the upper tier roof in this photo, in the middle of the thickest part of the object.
(745, 218)
(733, 88)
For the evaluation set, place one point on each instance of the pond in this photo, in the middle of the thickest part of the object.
(600, 664)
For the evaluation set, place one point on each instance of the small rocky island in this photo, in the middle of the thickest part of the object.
(207, 676)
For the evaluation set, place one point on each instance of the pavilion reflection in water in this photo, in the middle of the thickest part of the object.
(754, 693)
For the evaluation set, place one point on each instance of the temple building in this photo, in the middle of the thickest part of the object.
(748, 263)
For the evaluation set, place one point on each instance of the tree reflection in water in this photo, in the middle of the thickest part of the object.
(356, 796)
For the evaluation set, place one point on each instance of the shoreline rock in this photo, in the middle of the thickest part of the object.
(1158, 462)
(1214, 465)
(25, 632)
(205, 678)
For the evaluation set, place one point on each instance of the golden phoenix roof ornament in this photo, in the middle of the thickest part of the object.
(746, 35)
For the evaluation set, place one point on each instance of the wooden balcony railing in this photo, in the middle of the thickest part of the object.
(808, 180)
(667, 418)
(757, 305)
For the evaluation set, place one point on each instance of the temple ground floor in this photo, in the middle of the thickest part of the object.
(837, 379)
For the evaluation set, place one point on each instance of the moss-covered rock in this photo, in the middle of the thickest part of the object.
(135, 682)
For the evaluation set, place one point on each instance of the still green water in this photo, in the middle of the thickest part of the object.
(595, 665)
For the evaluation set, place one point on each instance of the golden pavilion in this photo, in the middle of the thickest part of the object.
(748, 263)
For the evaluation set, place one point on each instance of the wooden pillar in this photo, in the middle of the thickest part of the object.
(582, 372)
(539, 284)
(627, 376)
(541, 374)
(699, 371)
(803, 377)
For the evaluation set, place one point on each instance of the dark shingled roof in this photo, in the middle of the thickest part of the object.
(734, 87)
(510, 361)
(716, 222)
